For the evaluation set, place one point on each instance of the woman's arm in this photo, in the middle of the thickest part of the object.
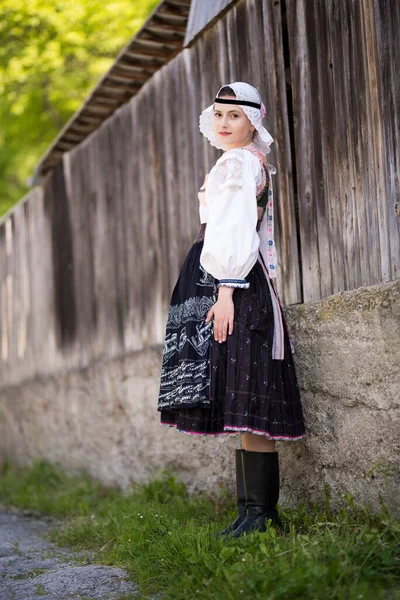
(231, 242)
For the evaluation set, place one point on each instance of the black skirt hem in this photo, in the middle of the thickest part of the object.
(228, 430)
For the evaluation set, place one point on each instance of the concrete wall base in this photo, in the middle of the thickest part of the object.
(347, 354)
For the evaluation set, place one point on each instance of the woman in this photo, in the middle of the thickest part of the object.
(227, 361)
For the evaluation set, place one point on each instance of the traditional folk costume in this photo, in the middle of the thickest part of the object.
(246, 384)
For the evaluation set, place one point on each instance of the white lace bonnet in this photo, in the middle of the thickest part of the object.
(255, 110)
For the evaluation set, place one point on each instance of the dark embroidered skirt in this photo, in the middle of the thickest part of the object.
(209, 388)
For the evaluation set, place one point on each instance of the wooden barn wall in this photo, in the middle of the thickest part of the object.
(88, 263)
(345, 59)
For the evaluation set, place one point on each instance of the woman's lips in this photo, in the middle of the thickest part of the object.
(224, 133)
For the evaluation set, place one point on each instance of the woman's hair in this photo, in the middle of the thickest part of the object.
(228, 91)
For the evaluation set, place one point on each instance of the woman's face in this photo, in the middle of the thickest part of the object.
(231, 125)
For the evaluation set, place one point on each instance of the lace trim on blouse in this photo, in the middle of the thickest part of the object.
(230, 172)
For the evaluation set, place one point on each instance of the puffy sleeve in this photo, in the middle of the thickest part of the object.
(231, 241)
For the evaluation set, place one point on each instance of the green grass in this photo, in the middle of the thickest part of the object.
(166, 540)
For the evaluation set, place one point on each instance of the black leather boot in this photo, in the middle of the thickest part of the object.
(261, 484)
(240, 496)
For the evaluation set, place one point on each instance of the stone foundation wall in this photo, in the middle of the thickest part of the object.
(347, 354)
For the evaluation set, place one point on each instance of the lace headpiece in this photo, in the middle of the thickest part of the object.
(249, 99)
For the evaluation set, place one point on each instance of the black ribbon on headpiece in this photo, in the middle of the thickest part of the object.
(245, 102)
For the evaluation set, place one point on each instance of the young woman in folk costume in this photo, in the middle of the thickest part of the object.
(227, 361)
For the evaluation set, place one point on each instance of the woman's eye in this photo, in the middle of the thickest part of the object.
(217, 116)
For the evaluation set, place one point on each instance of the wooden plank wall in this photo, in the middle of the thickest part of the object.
(383, 19)
(88, 263)
(346, 114)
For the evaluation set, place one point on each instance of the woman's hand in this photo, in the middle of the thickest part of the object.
(223, 313)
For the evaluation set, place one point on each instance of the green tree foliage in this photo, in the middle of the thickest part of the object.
(52, 53)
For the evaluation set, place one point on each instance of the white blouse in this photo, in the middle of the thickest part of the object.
(232, 244)
(229, 207)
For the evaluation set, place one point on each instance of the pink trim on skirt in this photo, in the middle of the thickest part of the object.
(229, 429)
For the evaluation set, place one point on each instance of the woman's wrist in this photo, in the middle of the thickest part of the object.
(225, 291)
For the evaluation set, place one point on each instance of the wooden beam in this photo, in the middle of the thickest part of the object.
(69, 136)
(65, 145)
(122, 89)
(140, 52)
(56, 154)
(178, 4)
(107, 100)
(167, 17)
(88, 119)
(119, 75)
(83, 128)
(147, 43)
(116, 98)
(175, 10)
(135, 63)
(93, 108)
(172, 40)
(158, 24)
(130, 67)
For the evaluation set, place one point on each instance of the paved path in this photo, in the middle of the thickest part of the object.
(32, 567)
